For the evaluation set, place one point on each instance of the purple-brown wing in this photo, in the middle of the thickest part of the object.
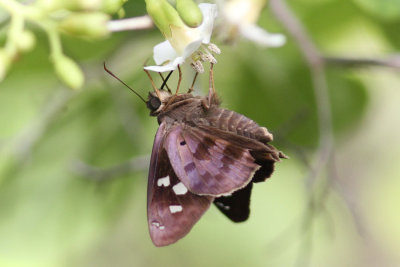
(264, 154)
(206, 164)
(172, 210)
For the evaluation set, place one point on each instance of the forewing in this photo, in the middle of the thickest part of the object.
(172, 210)
(265, 154)
(206, 164)
(236, 206)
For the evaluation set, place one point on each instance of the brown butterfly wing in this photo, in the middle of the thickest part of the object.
(172, 210)
(237, 206)
(207, 164)
(264, 154)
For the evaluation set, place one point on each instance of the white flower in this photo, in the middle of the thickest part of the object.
(240, 17)
(185, 42)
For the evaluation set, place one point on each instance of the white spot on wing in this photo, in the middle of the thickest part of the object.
(158, 225)
(163, 181)
(180, 189)
(221, 205)
(175, 208)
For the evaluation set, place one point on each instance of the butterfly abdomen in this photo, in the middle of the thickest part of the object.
(228, 120)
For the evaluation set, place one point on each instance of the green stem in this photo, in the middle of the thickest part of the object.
(16, 25)
(28, 12)
(18, 14)
(54, 41)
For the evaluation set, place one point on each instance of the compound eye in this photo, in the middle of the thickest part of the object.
(154, 103)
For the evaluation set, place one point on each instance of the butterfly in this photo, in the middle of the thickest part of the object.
(202, 154)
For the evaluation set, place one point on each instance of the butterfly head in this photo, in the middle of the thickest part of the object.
(156, 103)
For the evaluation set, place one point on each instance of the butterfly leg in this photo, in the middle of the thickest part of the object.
(194, 80)
(165, 80)
(211, 88)
(179, 81)
(177, 88)
(152, 84)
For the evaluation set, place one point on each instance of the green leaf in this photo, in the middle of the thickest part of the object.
(384, 9)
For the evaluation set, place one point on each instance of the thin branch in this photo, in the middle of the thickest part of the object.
(131, 24)
(296, 29)
(347, 196)
(102, 174)
(320, 86)
(321, 93)
(391, 61)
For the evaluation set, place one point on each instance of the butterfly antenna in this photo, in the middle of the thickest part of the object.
(165, 80)
(112, 74)
(153, 85)
(179, 81)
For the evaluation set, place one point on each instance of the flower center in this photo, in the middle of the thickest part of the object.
(205, 53)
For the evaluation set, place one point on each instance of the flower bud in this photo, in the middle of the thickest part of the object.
(112, 6)
(91, 25)
(107, 6)
(189, 12)
(71, 5)
(164, 16)
(68, 71)
(26, 41)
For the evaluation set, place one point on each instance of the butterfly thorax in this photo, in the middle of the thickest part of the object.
(176, 108)
(196, 111)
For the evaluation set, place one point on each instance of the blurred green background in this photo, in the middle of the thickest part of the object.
(52, 214)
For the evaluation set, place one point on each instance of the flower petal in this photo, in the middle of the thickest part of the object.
(209, 14)
(172, 65)
(164, 52)
(165, 68)
(261, 36)
(191, 47)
